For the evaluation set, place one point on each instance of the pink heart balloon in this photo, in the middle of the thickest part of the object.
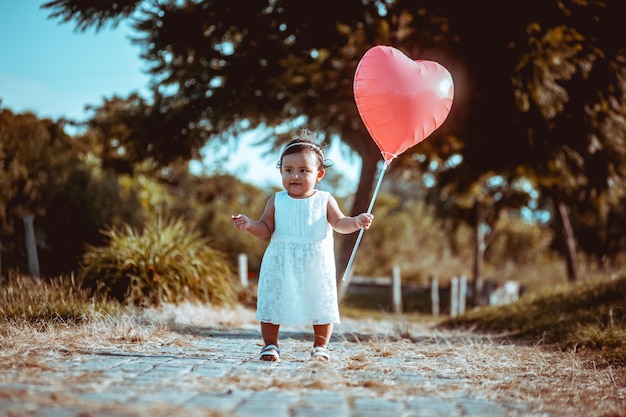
(401, 101)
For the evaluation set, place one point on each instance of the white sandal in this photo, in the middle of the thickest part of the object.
(320, 353)
(270, 353)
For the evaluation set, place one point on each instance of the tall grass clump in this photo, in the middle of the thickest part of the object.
(167, 261)
(39, 300)
(589, 316)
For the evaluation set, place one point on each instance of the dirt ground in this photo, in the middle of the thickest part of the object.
(389, 357)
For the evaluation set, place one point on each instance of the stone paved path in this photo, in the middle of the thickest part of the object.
(215, 372)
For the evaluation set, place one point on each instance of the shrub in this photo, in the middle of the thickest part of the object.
(166, 262)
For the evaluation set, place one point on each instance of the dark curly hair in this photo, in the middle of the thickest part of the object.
(303, 143)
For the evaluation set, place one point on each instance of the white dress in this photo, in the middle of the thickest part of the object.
(297, 284)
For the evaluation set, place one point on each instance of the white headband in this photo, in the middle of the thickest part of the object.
(311, 145)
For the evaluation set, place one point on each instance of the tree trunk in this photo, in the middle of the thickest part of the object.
(567, 234)
(479, 256)
(31, 246)
(360, 205)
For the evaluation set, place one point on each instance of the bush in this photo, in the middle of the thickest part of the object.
(167, 262)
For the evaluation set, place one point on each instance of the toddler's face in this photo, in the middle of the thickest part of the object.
(300, 172)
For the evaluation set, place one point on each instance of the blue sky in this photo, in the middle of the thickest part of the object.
(48, 68)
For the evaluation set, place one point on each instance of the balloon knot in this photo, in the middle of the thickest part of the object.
(388, 157)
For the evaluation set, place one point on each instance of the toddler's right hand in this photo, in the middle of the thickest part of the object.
(364, 220)
(241, 221)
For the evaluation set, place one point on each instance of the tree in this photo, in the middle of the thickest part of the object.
(35, 156)
(570, 86)
(288, 63)
(55, 186)
(542, 83)
(216, 64)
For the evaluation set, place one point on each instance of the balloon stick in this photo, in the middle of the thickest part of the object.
(369, 211)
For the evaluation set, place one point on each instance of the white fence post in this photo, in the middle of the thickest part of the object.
(397, 290)
(243, 269)
(462, 294)
(454, 297)
(434, 295)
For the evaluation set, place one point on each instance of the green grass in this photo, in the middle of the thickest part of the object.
(589, 317)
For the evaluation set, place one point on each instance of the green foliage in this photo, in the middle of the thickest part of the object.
(519, 241)
(82, 206)
(220, 196)
(590, 315)
(408, 234)
(166, 262)
(35, 156)
(57, 178)
(550, 107)
(57, 299)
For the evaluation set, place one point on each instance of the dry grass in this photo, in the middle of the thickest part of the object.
(132, 331)
(375, 354)
(589, 317)
(529, 374)
(394, 357)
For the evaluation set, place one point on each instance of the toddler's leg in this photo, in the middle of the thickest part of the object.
(270, 351)
(323, 332)
(269, 332)
(322, 337)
